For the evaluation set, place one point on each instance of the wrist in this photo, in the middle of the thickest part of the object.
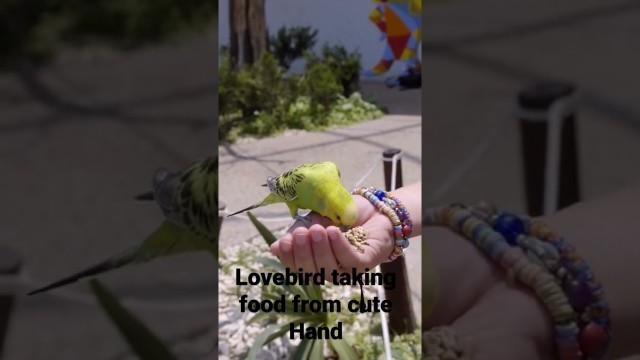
(547, 264)
(392, 207)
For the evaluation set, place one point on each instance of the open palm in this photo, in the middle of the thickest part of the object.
(322, 245)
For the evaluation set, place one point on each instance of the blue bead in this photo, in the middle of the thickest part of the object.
(403, 243)
(380, 194)
(509, 226)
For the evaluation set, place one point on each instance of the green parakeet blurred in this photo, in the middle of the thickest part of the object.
(312, 186)
(189, 201)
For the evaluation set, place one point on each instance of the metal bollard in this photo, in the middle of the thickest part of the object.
(10, 264)
(401, 318)
(547, 115)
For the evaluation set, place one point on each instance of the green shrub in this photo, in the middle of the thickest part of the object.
(260, 86)
(320, 84)
(258, 100)
(344, 64)
(34, 30)
(352, 109)
(227, 86)
(251, 98)
(291, 43)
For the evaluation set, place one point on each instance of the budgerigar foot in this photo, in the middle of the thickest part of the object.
(305, 220)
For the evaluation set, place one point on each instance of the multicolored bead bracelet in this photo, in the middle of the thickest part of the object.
(391, 206)
(584, 293)
(515, 243)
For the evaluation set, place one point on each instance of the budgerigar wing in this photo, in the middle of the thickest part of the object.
(286, 184)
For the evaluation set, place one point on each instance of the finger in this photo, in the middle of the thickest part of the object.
(345, 253)
(275, 249)
(285, 245)
(302, 254)
(322, 252)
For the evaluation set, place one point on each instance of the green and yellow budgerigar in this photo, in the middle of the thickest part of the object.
(312, 186)
(189, 201)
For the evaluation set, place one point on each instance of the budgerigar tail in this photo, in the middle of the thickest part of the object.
(270, 199)
(107, 265)
(247, 209)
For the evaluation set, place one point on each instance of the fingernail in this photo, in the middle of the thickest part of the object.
(301, 239)
(285, 246)
(332, 235)
(316, 236)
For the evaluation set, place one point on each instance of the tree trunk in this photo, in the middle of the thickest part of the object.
(238, 26)
(257, 29)
(248, 35)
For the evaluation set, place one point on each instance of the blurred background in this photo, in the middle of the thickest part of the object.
(478, 55)
(94, 96)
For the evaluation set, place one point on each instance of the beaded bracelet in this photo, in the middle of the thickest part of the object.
(584, 293)
(391, 206)
(513, 243)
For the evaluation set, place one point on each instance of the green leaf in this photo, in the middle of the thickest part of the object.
(283, 329)
(270, 333)
(266, 234)
(303, 349)
(314, 291)
(317, 352)
(309, 319)
(262, 316)
(271, 263)
(343, 349)
(142, 341)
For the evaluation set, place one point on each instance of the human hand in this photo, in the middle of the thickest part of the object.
(323, 245)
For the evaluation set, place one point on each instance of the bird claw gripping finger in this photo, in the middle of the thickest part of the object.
(305, 220)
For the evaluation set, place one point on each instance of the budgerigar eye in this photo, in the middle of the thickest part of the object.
(338, 216)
